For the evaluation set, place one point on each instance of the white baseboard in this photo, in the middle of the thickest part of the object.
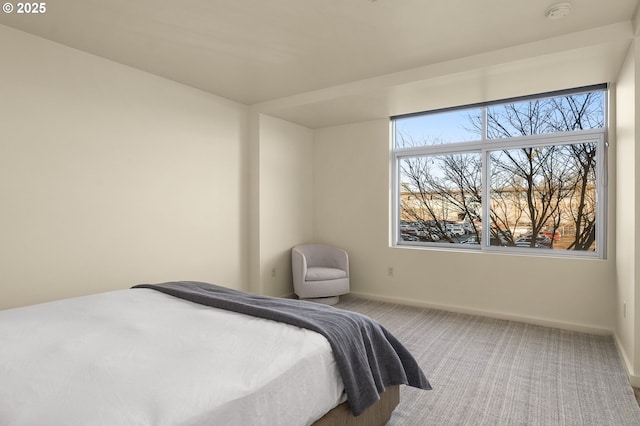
(490, 314)
(634, 380)
(628, 365)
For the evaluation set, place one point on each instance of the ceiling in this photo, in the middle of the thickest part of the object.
(310, 60)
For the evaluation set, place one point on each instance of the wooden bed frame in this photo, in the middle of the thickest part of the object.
(376, 415)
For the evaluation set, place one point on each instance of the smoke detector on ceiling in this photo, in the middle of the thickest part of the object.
(558, 10)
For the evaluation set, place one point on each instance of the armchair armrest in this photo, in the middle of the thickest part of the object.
(298, 268)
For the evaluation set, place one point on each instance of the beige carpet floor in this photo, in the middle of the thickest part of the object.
(494, 372)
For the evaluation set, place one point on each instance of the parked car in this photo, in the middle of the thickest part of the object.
(456, 231)
(470, 240)
(540, 239)
(522, 243)
(494, 241)
(467, 227)
(554, 236)
(433, 237)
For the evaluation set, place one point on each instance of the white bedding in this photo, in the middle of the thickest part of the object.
(141, 357)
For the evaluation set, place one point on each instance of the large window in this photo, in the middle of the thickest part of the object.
(524, 175)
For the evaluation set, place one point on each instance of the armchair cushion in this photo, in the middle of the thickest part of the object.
(321, 273)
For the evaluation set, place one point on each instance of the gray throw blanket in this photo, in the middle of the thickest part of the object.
(368, 357)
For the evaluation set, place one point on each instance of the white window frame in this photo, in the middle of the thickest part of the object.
(484, 147)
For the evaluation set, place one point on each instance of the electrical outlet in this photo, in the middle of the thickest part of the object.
(624, 309)
(273, 272)
(390, 271)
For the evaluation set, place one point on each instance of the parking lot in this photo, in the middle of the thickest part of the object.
(464, 234)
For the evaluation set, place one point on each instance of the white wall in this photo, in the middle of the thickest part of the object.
(627, 260)
(110, 177)
(284, 200)
(352, 189)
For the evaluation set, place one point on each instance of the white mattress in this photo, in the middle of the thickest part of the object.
(141, 357)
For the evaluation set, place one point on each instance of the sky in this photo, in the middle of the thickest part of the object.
(445, 126)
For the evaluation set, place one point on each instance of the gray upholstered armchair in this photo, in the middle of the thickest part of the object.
(320, 272)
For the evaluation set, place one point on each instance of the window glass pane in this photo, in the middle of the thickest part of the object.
(438, 128)
(546, 115)
(548, 192)
(539, 192)
(440, 198)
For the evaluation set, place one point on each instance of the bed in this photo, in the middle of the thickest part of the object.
(143, 356)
